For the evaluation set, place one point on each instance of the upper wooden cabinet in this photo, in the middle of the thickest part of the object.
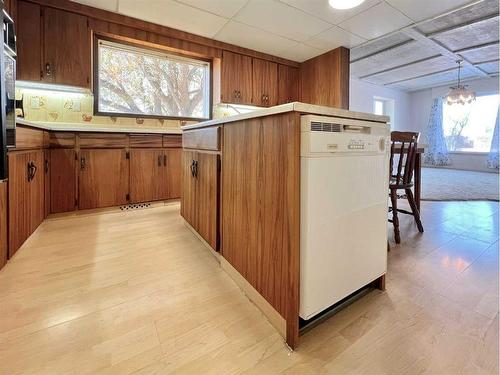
(66, 48)
(62, 56)
(29, 42)
(264, 83)
(288, 84)
(236, 78)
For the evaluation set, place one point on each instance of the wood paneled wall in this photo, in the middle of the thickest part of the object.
(324, 80)
(260, 189)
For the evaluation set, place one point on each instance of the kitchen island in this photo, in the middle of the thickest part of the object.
(241, 195)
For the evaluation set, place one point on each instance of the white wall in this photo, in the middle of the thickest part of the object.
(361, 99)
(420, 109)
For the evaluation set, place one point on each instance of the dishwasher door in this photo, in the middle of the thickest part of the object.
(343, 244)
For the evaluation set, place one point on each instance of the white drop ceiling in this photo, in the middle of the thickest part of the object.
(404, 44)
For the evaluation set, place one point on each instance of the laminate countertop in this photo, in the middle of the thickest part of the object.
(94, 128)
(292, 107)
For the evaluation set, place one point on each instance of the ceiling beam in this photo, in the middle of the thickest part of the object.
(417, 35)
(383, 50)
(419, 76)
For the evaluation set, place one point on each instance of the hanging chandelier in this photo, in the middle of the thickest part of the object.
(460, 94)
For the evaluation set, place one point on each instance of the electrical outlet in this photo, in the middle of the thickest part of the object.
(35, 102)
(77, 106)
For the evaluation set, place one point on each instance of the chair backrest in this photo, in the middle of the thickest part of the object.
(404, 145)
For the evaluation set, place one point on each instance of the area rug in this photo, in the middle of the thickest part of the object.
(439, 184)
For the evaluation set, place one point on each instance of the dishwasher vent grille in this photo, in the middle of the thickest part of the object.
(325, 127)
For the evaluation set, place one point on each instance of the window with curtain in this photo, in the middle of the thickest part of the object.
(469, 128)
(140, 82)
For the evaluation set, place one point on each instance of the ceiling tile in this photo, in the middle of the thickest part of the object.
(482, 54)
(490, 67)
(223, 8)
(111, 5)
(424, 9)
(173, 14)
(414, 70)
(321, 9)
(376, 21)
(280, 19)
(470, 35)
(250, 37)
(391, 58)
(333, 38)
(378, 45)
(474, 12)
(301, 52)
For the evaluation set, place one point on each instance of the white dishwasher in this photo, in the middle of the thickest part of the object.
(343, 219)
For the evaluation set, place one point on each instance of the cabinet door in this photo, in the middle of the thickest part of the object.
(288, 84)
(19, 213)
(173, 172)
(207, 197)
(37, 189)
(147, 181)
(103, 178)
(62, 180)
(3, 224)
(29, 43)
(46, 178)
(188, 197)
(236, 78)
(66, 48)
(265, 83)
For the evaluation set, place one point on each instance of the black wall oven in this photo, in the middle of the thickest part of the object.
(7, 91)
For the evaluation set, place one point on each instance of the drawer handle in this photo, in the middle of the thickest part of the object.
(83, 163)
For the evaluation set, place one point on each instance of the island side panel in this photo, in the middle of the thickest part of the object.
(260, 203)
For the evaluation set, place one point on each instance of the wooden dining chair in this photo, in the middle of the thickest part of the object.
(402, 164)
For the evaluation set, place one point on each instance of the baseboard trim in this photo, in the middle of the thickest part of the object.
(209, 248)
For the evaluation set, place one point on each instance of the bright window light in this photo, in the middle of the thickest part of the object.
(469, 128)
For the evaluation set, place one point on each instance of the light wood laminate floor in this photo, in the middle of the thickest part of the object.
(136, 292)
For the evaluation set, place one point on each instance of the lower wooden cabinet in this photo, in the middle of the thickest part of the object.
(62, 168)
(200, 194)
(154, 174)
(3, 224)
(26, 195)
(103, 178)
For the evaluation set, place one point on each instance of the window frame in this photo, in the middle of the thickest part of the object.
(139, 45)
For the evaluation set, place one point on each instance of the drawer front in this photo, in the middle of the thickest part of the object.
(103, 140)
(202, 139)
(146, 140)
(172, 140)
(62, 140)
(29, 138)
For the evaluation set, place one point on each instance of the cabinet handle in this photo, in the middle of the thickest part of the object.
(31, 171)
(48, 70)
(46, 165)
(192, 168)
(165, 160)
(34, 168)
(28, 171)
(83, 163)
(159, 160)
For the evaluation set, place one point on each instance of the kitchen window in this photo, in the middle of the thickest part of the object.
(138, 82)
(469, 128)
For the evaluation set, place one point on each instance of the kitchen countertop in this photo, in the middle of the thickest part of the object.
(94, 128)
(292, 107)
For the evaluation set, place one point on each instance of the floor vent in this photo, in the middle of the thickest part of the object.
(139, 206)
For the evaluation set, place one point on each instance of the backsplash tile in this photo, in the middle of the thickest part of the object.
(62, 107)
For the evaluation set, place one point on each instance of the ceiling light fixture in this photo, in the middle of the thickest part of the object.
(460, 94)
(345, 4)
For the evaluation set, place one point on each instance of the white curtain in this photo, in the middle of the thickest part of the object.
(436, 152)
(493, 155)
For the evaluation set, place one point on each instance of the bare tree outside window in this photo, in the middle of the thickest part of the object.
(141, 82)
